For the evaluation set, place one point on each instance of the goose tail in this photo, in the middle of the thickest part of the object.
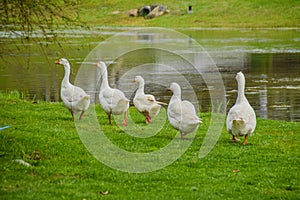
(238, 123)
(124, 102)
(84, 102)
(154, 110)
(161, 103)
(197, 121)
(200, 121)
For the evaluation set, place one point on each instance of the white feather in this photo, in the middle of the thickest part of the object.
(182, 114)
(241, 118)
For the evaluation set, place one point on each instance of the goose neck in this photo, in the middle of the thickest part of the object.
(176, 95)
(141, 87)
(241, 91)
(104, 82)
(66, 79)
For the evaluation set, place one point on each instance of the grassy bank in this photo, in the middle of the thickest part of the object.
(44, 135)
(206, 13)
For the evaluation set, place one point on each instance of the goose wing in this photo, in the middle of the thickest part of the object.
(112, 97)
(72, 94)
(175, 112)
(189, 112)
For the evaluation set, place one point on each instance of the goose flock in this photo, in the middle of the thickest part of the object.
(182, 115)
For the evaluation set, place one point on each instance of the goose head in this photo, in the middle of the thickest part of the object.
(102, 66)
(65, 63)
(62, 61)
(240, 77)
(175, 88)
(138, 79)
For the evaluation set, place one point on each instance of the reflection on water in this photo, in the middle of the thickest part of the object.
(272, 77)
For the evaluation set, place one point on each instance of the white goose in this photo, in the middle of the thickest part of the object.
(146, 103)
(113, 101)
(241, 119)
(74, 98)
(182, 114)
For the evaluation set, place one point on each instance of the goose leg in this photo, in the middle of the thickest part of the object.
(124, 123)
(109, 119)
(72, 113)
(235, 138)
(246, 138)
(82, 113)
(148, 119)
(182, 135)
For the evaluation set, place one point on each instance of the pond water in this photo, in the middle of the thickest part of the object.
(270, 60)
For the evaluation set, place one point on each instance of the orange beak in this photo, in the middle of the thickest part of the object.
(57, 62)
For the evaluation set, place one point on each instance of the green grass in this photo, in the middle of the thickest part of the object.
(44, 135)
(207, 13)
